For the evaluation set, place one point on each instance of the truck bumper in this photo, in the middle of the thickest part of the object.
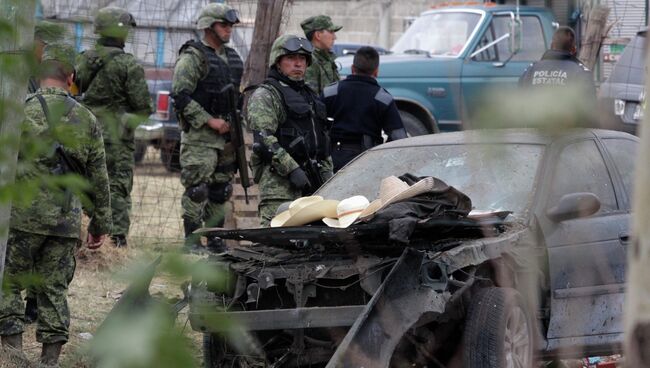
(152, 130)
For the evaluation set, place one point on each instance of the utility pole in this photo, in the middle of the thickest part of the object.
(385, 17)
(637, 303)
(14, 49)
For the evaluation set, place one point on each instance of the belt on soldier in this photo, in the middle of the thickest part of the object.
(232, 167)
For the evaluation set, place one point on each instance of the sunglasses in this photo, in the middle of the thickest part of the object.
(231, 16)
(297, 43)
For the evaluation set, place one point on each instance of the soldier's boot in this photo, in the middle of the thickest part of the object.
(31, 310)
(216, 244)
(13, 341)
(50, 354)
(119, 240)
(192, 243)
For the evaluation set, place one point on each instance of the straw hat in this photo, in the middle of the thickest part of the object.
(305, 210)
(392, 189)
(347, 212)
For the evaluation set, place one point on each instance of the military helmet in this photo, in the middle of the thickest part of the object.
(290, 44)
(113, 22)
(60, 52)
(48, 32)
(215, 12)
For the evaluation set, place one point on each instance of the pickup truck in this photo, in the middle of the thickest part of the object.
(451, 56)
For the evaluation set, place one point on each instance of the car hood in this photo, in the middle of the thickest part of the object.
(406, 65)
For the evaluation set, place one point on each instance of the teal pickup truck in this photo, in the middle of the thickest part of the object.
(447, 60)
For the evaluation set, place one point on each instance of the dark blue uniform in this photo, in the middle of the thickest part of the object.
(361, 109)
(559, 69)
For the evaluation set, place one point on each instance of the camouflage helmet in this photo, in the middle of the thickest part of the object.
(290, 44)
(48, 32)
(113, 22)
(215, 12)
(60, 52)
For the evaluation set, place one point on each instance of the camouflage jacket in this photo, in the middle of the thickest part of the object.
(190, 68)
(118, 94)
(322, 71)
(81, 136)
(266, 112)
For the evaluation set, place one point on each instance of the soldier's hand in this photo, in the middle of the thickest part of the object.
(219, 125)
(299, 179)
(95, 241)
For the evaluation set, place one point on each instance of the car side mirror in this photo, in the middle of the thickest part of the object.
(515, 36)
(574, 205)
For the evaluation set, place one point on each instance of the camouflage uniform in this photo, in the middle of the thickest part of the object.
(323, 70)
(115, 89)
(267, 114)
(207, 158)
(44, 232)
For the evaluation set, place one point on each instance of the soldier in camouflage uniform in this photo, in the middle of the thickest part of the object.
(203, 71)
(321, 32)
(43, 233)
(115, 89)
(289, 129)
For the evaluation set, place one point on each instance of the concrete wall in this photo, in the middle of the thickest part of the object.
(360, 18)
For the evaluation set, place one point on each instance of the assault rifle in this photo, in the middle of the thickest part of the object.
(298, 149)
(237, 137)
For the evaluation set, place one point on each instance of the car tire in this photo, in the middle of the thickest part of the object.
(212, 352)
(412, 124)
(498, 331)
(140, 150)
(170, 156)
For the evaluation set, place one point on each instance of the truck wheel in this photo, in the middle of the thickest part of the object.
(140, 150)
(412, 124)
(212, 351)
(498, 331)
(170, 156)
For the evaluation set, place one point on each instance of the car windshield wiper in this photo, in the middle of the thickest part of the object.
(417, 52)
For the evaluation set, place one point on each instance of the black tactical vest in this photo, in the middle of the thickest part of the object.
(307, 118)
(220, 74)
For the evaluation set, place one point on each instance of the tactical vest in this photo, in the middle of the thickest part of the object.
(307, 118)
(220, 74)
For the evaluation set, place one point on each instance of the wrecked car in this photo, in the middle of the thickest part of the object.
(545, 281)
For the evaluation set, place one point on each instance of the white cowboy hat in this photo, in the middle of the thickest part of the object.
(305, 210)
(392, 189)
(347, 211)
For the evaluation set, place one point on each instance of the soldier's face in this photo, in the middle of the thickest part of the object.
(223, 31)
(293, 66)
(325, 39)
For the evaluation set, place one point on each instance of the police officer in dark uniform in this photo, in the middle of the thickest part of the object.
(361, 109)
(559, 67)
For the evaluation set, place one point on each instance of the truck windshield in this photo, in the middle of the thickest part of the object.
(441, 33)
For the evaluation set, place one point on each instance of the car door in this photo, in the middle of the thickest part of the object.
(495, 67)
(586, 255)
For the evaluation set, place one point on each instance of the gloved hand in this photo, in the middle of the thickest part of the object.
(299, 179)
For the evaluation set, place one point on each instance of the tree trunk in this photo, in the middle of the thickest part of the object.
(637, 303)
(596, 31)
(267, 26)
(14, 74)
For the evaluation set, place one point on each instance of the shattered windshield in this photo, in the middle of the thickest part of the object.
(494, 176)
(441, 34)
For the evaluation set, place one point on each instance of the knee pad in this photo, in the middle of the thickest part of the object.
(197, 193)
(220, 192)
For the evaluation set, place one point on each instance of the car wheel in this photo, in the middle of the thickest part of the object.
(140, 150)
(498, 331)
(170, 156)
(212, 351)
(412, 124)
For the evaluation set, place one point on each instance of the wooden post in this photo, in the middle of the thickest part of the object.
(637, 303)
(597, 30)
(267, 25)
(14, 48)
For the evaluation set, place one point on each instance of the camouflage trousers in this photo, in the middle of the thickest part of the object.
(274, 190)
(212, 167)
(46, 264)
(119, 163)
